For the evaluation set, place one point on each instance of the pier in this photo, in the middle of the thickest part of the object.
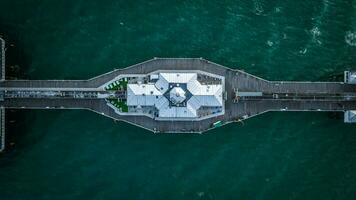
(2, 59)
(245, 95)
(2, 109)
(2, 129)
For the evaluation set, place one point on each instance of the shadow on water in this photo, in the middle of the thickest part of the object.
(17, 62)
(333, 77)
(337, 75)
(336, 115)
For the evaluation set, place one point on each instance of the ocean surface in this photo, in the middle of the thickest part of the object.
(82, 155)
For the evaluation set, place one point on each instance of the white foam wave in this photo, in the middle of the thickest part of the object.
(316, 33)
(350, 38)
(258, 7)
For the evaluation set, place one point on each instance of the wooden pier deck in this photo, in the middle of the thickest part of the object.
(2, 109)
(2, 129)
(2, 59)
(235, 79)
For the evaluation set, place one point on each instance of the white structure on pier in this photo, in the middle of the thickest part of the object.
(177, 95)
(350, 116)
(350, 77)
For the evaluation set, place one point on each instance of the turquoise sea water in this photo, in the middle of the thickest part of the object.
(82, 155)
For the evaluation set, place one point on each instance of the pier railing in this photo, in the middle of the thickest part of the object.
(2, 129)
(2, 46)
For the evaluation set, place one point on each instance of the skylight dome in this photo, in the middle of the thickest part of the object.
(177, 95)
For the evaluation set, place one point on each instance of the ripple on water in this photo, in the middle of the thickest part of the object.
(258, 7)
(316, 33)
(350, 38)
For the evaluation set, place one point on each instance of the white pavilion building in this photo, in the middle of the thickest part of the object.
(177, 96)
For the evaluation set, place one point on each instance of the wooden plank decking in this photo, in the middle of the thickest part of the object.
(234, 79)
(2, 59)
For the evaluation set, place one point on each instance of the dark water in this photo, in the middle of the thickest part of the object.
(81, 155)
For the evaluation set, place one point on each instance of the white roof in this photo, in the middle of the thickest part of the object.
(162, 85)
(152, 95)
(174, 112)
(154, 76)
(204, 95)
(142, 94)
(350, 116)
(178, 77)
(194, 103)
(352, 78)
(165, 78)
(162, 102)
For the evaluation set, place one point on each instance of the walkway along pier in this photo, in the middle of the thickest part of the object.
(161, 94)
(2, 109)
